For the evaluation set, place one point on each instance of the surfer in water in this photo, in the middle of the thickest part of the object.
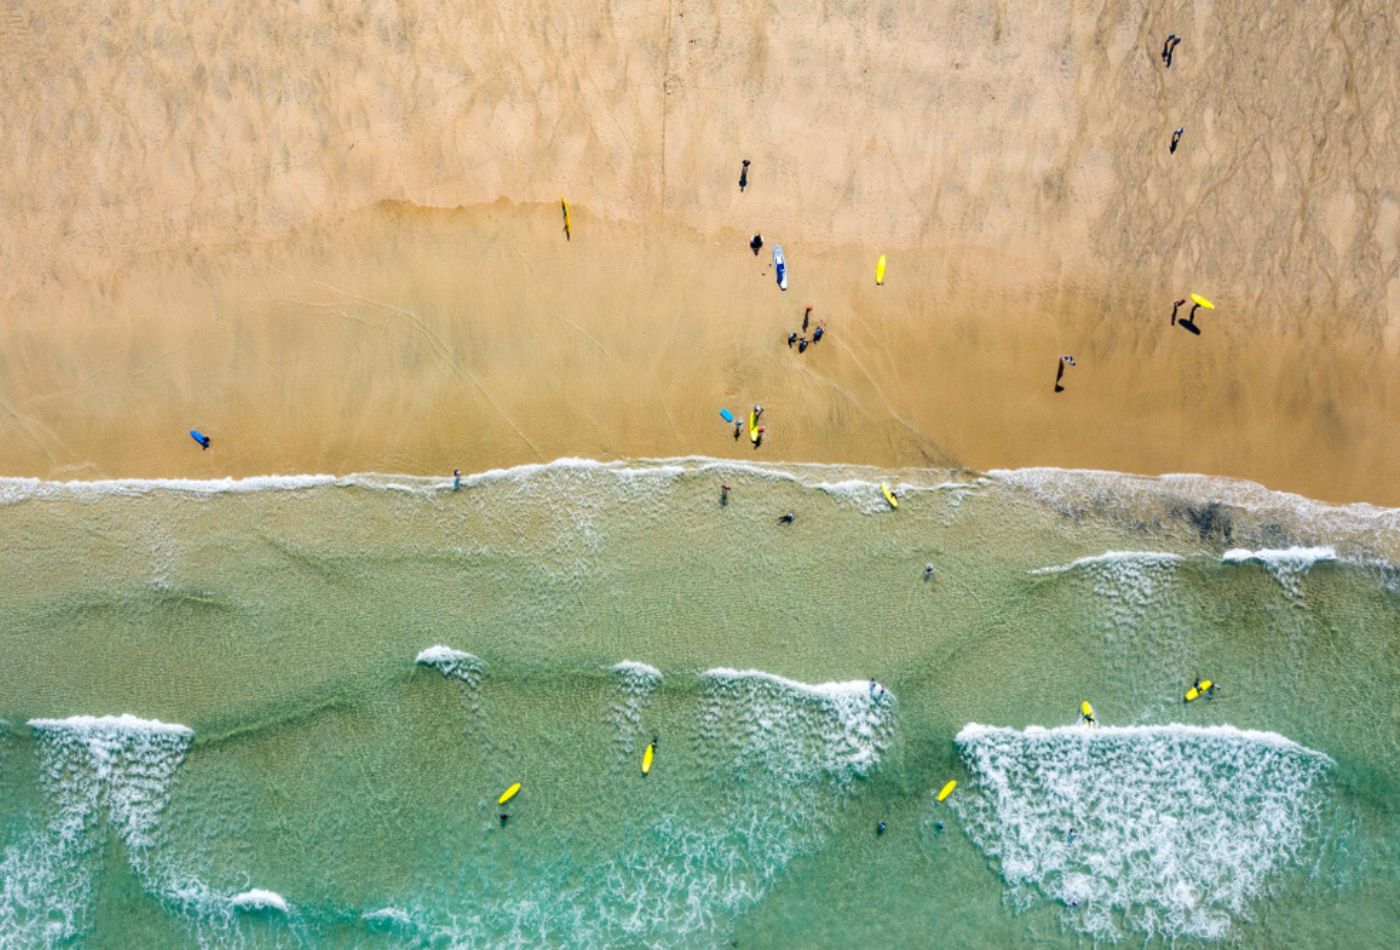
(788, 518)
(1176, 139)
(1176, 305)
(756, 244)
(724, 491)
(928, 571)
(744, 176)
(880, 829)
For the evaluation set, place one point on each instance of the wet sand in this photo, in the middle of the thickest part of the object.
(332, 240)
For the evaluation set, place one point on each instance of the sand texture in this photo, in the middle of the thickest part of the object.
(329, 235)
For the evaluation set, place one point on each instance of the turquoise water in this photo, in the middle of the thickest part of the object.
(279, 712)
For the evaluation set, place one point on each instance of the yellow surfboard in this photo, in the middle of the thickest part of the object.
(508, 794)
(565, 205)
(1087, 712)
(947, 790)
(647, 757)
(889, 496)
(1197, 298)
(753, 426)
(880, 271)
(1196, 692)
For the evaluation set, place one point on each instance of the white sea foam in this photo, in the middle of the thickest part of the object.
(636, 682)
(1113, 558)
(1177, 829)
(116, 771)
(454, 663)
(258, 899)
(14, 490)
(1287, 565)
(841, 727)
(388, 915)
(1357, 530)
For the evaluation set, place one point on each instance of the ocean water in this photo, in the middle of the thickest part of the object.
(279, 712)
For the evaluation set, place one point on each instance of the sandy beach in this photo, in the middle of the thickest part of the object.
(331, 238)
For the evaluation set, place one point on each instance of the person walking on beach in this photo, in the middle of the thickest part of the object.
(1169, 48)
(758, 437)
(200, 437)
(817, 333)
(456, 479)
(744, 177)
(756, 244)
(1176, 139)
(1060, 372)
(802, 345)
(1176, 305)
(792, 338)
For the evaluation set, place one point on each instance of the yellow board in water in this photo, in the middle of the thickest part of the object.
(646, 758)
(1087, 711)
(1196, 692)
(1197, 298)
(880, 271)
(889, 496)
(947, 790)
(508, 794)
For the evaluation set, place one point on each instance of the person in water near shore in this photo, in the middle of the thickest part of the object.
(1169, 48)
(724, 491)
(456, 479)
(744, 176)
(928, 571)
(1176, 305)
(1176, 138)
(788, 518)
(792, 338)
(756, 244)
(504, 818)
(880, 829)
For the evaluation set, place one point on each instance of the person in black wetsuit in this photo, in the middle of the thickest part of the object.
(788, 518)
(792, 338)
(744, 176)
(756, 244)
(818, 333)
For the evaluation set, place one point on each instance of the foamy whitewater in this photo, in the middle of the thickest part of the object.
(361, 665)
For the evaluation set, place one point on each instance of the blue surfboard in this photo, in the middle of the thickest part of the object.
(200, 437)
(726, 415)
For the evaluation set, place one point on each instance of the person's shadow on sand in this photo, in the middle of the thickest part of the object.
(1189, 324)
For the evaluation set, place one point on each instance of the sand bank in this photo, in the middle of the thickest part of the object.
(330, 237)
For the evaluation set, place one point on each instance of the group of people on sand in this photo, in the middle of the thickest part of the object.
(802, 341)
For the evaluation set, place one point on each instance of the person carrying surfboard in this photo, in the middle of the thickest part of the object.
(200, 437)
(756, 244)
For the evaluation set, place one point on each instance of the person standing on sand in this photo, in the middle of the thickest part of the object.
(1176, 305)
(817, 333)
(792, 338)
(738, 428)
(758, 438)
(1060, 372)
(744, 177)
(802, 345)
(756, 244)
(1169, 48)
(1176, 139)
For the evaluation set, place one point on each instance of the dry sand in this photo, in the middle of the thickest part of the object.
(329, 235)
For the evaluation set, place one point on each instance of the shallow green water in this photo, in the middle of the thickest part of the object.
(327, 789)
